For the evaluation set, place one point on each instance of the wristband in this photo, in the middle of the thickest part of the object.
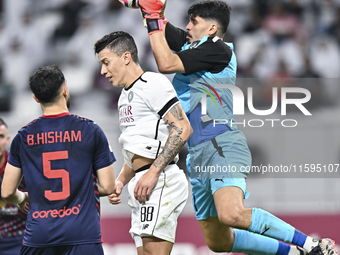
(23, 196)
(154, 25)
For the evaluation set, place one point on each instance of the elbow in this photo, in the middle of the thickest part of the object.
(187, 131)
(164, 68)
(5, 194)
(105, 191)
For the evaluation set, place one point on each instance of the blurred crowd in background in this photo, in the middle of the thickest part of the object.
(277, 43)
(273, 40)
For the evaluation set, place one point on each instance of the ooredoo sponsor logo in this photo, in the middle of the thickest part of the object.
(57, 213)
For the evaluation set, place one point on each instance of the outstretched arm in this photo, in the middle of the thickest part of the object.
(179, 134)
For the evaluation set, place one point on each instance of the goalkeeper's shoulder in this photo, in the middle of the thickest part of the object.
(175, 37)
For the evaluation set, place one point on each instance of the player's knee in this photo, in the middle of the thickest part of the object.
(231, 218)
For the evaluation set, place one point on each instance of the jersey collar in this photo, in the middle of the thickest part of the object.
(139, 78)
(56, 115)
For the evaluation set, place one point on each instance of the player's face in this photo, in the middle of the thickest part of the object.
(198, 28)
(4, 140)
(112, 67)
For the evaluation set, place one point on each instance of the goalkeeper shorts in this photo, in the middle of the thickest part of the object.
(223, 162)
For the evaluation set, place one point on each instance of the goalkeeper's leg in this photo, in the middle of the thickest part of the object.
(259, 226)
(222, 238)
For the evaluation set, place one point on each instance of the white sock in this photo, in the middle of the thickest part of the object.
(294, 251)
(310, 243)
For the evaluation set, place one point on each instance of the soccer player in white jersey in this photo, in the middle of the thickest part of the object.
(154, 128)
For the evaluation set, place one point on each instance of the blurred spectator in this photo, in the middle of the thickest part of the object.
(262, 7)
(310, 80)
(334, 29)
(291, 52)
(325, 56)
(294, 7)
(325, 59)
(281, 78)
(3, 38)
(282, 24)
(327, 11)
(301, 37)
(16, 67)
(309, 71)
(32, 41)
(255, 21)
(69, 25)
(6, 94)
(79, 62)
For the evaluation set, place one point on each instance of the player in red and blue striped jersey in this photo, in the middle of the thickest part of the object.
(67, 164)
(12, 220)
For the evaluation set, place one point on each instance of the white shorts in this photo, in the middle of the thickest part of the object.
(158, 216)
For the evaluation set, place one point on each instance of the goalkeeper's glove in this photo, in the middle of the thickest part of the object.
(153, 14)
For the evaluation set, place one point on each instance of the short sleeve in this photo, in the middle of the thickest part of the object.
(175, 37)
(211, 56)
(160, 95)
(14, 155)
(103, 155)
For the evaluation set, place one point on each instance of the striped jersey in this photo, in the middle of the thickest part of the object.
(12, 220)
(59, 156)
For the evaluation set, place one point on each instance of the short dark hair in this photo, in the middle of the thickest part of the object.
(118, 42)
(46, 83)
(3, 123)
(212, 9)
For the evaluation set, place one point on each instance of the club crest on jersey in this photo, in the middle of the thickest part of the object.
(130, 96)
(193, 44)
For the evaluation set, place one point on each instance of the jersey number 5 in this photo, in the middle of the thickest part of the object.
(56, 173)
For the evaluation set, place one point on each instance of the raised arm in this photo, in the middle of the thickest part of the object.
(167, 61)
(153, 12)
(179, 134)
